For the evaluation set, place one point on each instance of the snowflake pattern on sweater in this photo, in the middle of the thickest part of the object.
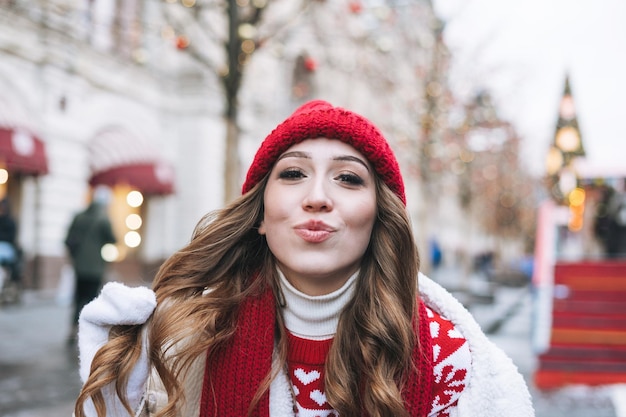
(451, 356)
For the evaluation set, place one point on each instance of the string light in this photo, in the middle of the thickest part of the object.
(134, 198)
(133, 221)
(109, 252)
(248, 46)
(182, 42)
(576, 199)
(132, 239)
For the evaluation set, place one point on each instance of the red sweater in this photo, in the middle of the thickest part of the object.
(450, 370)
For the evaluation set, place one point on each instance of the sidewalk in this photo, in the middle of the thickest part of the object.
(490, 304)
(38, 371)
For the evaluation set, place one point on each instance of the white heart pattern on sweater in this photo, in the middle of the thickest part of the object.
(306, 377)
(318, 396)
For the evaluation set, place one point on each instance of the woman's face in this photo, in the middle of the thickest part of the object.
(320, 208)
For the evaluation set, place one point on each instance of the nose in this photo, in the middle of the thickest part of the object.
(317, 197)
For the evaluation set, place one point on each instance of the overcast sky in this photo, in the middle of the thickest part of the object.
(522, 51)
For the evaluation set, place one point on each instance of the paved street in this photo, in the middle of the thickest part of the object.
(38, 371)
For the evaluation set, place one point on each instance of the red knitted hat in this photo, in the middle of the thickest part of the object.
(317, 119)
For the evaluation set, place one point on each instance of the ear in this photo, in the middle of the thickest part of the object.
(262, 230)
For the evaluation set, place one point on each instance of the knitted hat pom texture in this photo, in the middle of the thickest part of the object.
(320, 119)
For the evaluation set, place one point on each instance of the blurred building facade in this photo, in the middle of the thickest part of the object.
(128, 94)
(97, 85)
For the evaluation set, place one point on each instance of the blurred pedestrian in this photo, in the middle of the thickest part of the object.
(10, 254)
(89, 231)
(436, 254)
(299, 298)
(610, 222)
(617, 213)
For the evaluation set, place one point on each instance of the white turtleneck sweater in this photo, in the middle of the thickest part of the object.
(314, 317)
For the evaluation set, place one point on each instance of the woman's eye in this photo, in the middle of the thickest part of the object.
(350, 179)
(291, 174)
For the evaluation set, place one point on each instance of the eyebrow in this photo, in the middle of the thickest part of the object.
(306, 155)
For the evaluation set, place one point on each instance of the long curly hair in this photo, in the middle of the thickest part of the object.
(200, 287)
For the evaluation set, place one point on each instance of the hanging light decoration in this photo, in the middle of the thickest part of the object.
(134, 198)
(355, 6)
(182, 42)
(310, 64)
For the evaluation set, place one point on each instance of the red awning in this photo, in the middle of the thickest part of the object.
(118, 156)
(150, 178)
(22, 152)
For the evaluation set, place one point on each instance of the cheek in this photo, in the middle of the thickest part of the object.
(366, 215)
(268, 210)
(273, 215)
(278, 205)
(364, 232)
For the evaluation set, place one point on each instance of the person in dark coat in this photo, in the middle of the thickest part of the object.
(8, 225)
(89, 231)
(10, 254)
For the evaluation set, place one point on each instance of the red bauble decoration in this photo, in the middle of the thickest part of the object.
(355, 6)
(182, 42)
(310, 64)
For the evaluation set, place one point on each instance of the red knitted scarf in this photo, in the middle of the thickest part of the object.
(234, 373)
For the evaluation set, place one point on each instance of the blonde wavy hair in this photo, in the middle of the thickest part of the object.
(370, 357)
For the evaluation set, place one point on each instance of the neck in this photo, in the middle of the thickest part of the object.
(314, 317)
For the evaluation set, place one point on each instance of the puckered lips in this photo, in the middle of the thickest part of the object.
(314, 231)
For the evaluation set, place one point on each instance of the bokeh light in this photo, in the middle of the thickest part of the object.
(133, 221)
(134, 199)
(132, 239)
(109, 252)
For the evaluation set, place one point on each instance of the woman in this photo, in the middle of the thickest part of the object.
(299, 298)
